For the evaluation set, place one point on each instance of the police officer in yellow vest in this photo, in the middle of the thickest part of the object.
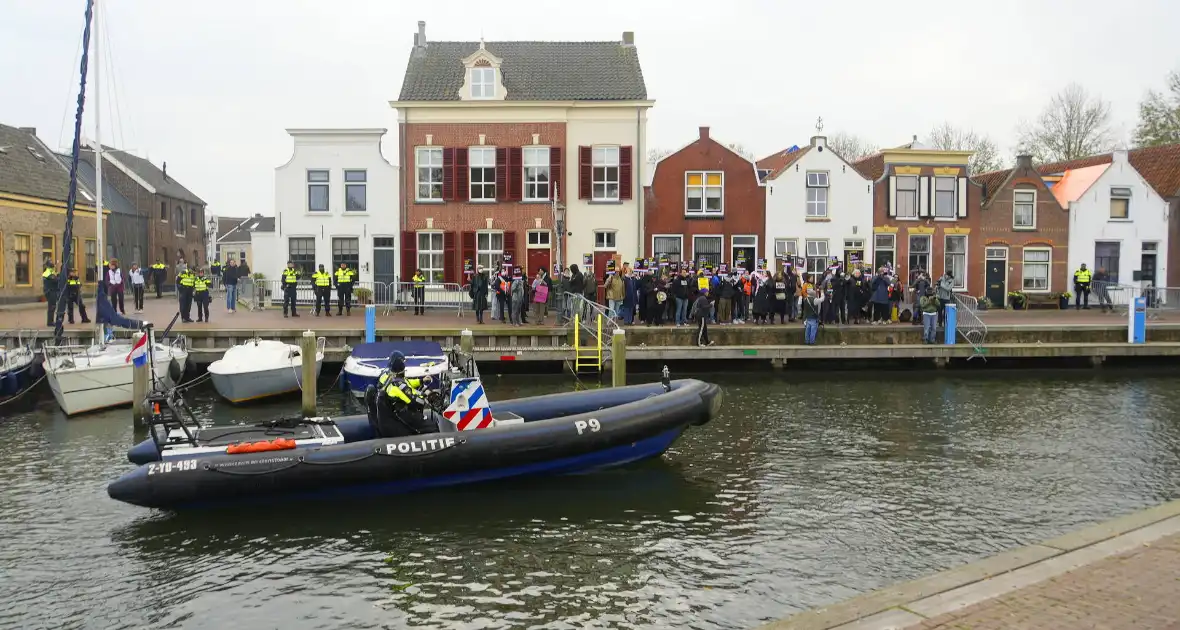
(322, 281)
(201, 295)
(1081, 287)
(51, 291)
(290, 281)
(74, 296)
(395, 405)
(344, 279)
(419, 281)
(158, 276)
(185, 281)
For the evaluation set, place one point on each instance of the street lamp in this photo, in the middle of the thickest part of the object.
(211, 241)
(559, 224)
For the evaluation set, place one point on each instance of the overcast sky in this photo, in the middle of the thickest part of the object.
(210, 86)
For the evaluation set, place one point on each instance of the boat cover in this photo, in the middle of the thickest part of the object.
(417, 352)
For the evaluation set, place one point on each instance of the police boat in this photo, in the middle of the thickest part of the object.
(185, 466)
(366, 362)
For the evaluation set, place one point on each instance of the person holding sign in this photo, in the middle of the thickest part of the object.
(542, 285)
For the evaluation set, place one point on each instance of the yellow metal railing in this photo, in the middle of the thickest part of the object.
(587, 358)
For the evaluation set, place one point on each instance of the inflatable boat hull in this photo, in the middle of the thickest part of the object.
(588, 435)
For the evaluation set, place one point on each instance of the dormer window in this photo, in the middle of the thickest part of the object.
(483, 82)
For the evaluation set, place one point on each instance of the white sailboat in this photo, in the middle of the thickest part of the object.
(97, 376)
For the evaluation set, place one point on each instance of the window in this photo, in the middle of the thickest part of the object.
(786, 248)
(906, 204)
(996, 253)
(919, 253)
(164, 211)
(536, 173)
(91, 260)
(604, 239)
(883, 249)
(1106, 256)
(163, 252)
(702, 193)
(317, 191)
(817, 257)
(1120, 203)
(430, 174)
(110, 254)
(356, 197)
(539, 239)
(1024, 205)
(605, 174)
(944, 198)
(301, 251)
(483, 173)
(20, 246)
(192, 217)
(1036, 268)
(48, 249)
(817, 195)
(489, 249)
(178, 221)
(707, 249)
(483, 82)
(955, 259)
(346, 250)
(430, 256)
(196, 260)
(670, 246)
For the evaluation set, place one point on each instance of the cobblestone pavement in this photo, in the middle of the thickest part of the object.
(1138, 590)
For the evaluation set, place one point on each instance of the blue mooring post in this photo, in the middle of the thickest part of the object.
(1137, 321)
(370, 323)
(952, 321)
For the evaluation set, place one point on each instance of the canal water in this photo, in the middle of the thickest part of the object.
(804, 491)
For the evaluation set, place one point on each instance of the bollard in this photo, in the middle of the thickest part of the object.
(307, 380)
(952, 321)
(370, 323)
(467, 342)
(1137, 320)
(141, 377)
(618, 358)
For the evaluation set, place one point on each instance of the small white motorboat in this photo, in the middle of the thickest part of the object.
(261, 368)
(20, 366)
(89, 378)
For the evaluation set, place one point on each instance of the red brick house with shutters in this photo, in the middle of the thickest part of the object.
(487, 134)
(705, 202)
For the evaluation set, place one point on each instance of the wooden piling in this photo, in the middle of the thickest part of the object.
(467, 342)
(618, 358)
(307, 348)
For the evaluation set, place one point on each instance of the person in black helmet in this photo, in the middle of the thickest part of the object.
(395, 405)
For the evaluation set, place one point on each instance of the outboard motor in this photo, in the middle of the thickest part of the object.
(666, 380)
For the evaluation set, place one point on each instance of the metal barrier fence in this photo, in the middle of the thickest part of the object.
(445, 295)
(1118, 297)
(969, 324)
(387, 296)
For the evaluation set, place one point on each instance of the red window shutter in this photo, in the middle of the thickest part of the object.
(501, 174)
(450, 270)
(449, 174)
(585, 168)
(510, 249)
(625, 183)
(467, 251)
(515, 174)
(555, 171)
(462, 175)
(409, 255)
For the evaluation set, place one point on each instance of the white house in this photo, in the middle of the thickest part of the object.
(336, 200)
(817, 207)
(1117, 222)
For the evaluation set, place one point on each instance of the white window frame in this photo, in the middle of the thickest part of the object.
(707, 192)
(818, 191)
(612, 246)
(897, 197)
(953, 192)
(483, 82)
(680, 248)
(1120, 195)
(910, 253)
(733, 247)
(960, 284)
(538, 245)
(487, 248)
(362, 184)
(794, 249)
(1025, 264)
(1031, 206)
(603, 159)
(483, 186)
(325, 183)
(534, 164)
(429, 270)
(429, 153)
(720, 250)
(892, 249)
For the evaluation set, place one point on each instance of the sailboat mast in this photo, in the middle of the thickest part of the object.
(101, 253)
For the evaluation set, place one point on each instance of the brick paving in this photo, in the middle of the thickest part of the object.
(1137, 590)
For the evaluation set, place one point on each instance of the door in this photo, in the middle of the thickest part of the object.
(748, 254)
(384, 260)
(1147, 269)
(538, 259)
(600, 258)
(996, 276)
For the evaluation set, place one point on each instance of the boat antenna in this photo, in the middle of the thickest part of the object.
(72, 198)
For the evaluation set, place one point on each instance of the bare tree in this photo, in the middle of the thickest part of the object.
(741, 150)
(1159, 115)
(985, 155)
(850, 147)
(1074, 124)
(656, 154)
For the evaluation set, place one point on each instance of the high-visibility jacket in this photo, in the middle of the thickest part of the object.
(186, 278)
(322, 279)
(419, 281)
(343, 276)
(1082, 276)
(200, 284)
(290, 276)
(398, 388)
(159, 267)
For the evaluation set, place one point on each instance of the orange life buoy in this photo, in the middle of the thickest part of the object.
(278, 444)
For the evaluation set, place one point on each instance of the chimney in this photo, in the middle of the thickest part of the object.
(1119, 156)
(420, 41)
(819, 142)
(704, 131)
(165, 169)
(628, 38)
(915, 140)
(1024, 161)
(32, 131)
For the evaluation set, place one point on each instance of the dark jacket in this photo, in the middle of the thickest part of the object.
(701, 307)
(479, 292)
(577, 283)
(880, 289)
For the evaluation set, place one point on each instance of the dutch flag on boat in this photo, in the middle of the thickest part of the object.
(138, 355)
